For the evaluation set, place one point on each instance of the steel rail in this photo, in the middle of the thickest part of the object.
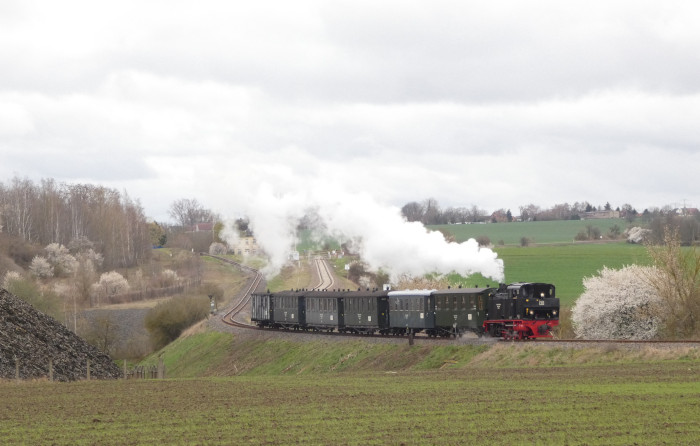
(326, 279)
(228, 317)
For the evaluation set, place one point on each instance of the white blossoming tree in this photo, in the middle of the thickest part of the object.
(617, 304)
(168, 277)
(10, 278)
(110, 284)
(41, 267)
(61, 259)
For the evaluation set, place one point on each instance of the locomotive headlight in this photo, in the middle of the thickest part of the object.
(554, 312)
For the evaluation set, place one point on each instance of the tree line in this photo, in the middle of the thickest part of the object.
(69, 214)
(429, 212)
(655, 219)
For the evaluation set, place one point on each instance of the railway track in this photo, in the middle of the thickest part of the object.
(326, 279)
(228, 317)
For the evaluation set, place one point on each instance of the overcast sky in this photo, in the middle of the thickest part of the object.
(496, 104)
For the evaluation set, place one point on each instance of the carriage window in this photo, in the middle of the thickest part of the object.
(437, 303)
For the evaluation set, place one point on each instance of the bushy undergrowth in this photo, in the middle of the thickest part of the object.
(166, 321)
(30, 291)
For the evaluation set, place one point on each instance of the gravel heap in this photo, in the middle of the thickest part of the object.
(33, 339)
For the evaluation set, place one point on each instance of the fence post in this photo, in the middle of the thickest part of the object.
(161, 368)
(88, 370)
(50, 369)
(125, 369)
(16, 368)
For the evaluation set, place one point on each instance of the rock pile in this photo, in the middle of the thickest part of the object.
(32, 340)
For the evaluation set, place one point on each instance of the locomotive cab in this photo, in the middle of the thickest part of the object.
(536, 301)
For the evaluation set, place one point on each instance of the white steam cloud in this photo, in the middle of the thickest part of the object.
(383, 238)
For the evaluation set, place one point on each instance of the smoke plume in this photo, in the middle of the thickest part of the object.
(379, 233)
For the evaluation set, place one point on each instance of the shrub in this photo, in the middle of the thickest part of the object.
(103, 333)
(61, 259)
(217, 249)
(41, 267)
(110, 284)
(356, 271)
(29, 291)
(167, 320)
(614, 232)
(10, 277)
(483, 240)
(168, 277)
(20, 251)
(676, 280)
(617, 304)
(581, 236)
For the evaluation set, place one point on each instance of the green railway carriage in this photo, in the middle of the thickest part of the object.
(461, 309)
(261, 309)
(324, 310)
(411, 311)
(366, 311)
(288, 309)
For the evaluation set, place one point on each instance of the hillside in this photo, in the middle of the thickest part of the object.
(33, 339)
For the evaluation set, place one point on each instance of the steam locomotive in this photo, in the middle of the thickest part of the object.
(516, 311)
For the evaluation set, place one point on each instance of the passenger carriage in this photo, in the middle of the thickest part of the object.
(324, 310)
(288, 310)
(460, 309)
(411, 311)
(366, 312)
(261, 309)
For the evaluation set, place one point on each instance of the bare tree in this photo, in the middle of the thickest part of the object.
(61, 213)
(103, 333)
(188, 212)
(529, 212)
(476, 214)
(677, 281)
(431, 213)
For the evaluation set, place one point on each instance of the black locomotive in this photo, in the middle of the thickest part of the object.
(516, 311)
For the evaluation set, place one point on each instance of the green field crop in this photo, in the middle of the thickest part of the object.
(558, 231)
(644, 403)
(567, 265)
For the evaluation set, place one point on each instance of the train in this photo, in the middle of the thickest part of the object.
(522, 310)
